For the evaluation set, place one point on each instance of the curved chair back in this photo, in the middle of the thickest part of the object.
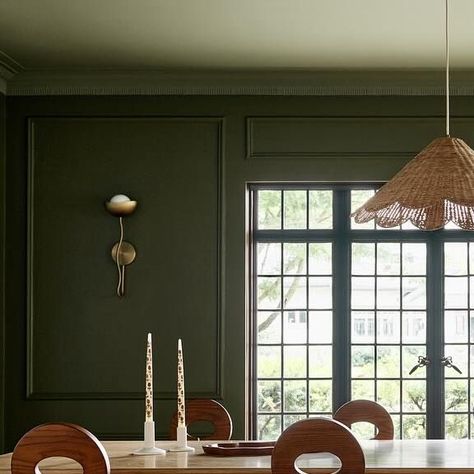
(206, 410)
(317, 435)
(357, 411)
(63, 440)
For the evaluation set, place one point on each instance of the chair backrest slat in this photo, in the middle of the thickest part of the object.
(357, 411)
(206, 410)
(317, 435)
(62, 440)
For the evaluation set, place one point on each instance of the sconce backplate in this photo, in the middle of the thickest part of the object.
(126, 255)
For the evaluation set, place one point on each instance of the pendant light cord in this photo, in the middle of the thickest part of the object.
(447, 67)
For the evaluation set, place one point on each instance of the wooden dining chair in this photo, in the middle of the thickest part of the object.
(317, 435)
(63, 440)
(368, 411)
(205, 410)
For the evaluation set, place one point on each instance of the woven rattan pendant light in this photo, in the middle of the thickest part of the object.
(435, 187)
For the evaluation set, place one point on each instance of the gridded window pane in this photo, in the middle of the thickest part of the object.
(456, 326)
(269, 327)
(269, 259)
(455, 292)
(414, 426)
(294, 216)
(456, 426)
(269, 293)
(269, 209)
(459, 336)
(363, 327)
(388, 362)
(294, 362)
(320, 258)
(320, 292)
(388, 292)
(388, 394)
(363, 258)
(414, 293)
(295, 395)
(269, 362)
(320, 396)
(414, 326)
(363, 289)
(471, 257)
(320, 361)
(388, 259)
(459, 354)
(294, 330)
(268, 427)
(456, 395)
(320, 209)
(294, 259)
(363, 389)
(410, 355)
(455, 258)
(414, 395)
(414, 258)
(471, 290)
(294, 292)
(320, 327)
(388, 327)
(269, 395)
(363, 362)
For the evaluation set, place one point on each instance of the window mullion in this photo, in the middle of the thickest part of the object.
(435, 339)
(341, 299)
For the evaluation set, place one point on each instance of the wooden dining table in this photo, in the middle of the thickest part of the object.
(382, 457)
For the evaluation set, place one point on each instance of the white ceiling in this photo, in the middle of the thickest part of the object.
(237, 34)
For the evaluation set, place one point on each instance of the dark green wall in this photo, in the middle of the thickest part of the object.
(74, 351)
(2, 263)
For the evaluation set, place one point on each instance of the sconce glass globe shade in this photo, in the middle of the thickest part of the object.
(119, 198)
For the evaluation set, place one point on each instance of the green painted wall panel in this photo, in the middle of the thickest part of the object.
(76, 321)
(185, 160)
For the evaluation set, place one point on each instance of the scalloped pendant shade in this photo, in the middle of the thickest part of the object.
(434, 188)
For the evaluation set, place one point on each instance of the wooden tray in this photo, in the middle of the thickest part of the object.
(244, 448)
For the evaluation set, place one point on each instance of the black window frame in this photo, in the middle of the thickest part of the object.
(342, 237)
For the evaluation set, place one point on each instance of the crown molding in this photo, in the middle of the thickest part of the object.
(192, 82)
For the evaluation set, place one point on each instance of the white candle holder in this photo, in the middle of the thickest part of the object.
(149, 441)
(182, 440)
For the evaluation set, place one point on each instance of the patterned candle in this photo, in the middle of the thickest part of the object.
(149, 381)
(181, 407)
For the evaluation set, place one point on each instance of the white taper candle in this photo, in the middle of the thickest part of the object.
(181, 393)
(149, 381)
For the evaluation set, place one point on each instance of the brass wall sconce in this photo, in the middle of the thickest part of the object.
(123, 252)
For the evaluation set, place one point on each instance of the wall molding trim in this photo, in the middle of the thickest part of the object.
(304, 136)
(216, 392)
(273, 83)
